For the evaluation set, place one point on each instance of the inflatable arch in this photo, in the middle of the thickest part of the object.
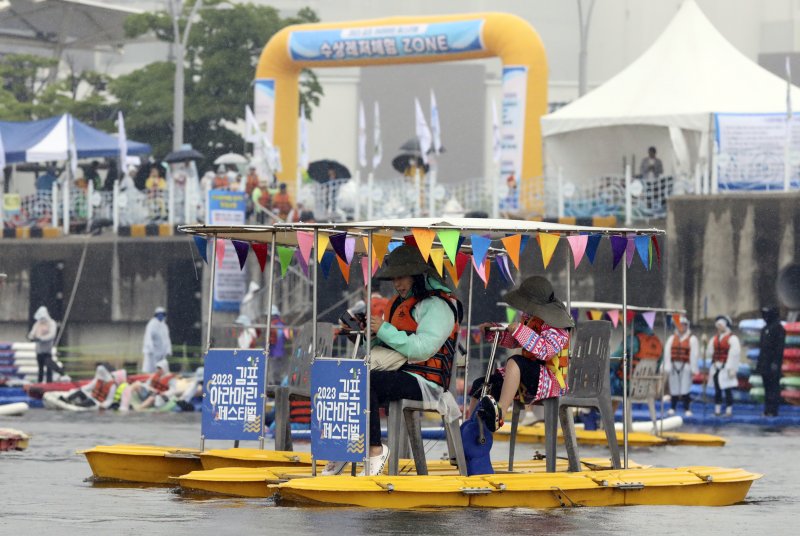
(404, 40)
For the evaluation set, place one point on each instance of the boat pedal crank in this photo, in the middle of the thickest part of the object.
(387, 486)
(558, 493)
(476, 491)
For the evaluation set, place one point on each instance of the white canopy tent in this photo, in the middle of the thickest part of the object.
(665, 99)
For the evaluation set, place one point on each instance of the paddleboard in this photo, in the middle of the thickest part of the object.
(17, 408)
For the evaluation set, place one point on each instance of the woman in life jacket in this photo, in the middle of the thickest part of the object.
(157, 390)
(98, 392)
(680, 363)
(539, 371)
(644, 344)
(421, 323)
(724, 351)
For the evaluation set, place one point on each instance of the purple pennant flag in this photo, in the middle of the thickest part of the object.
(338, 242)
(499, 261)
(301, 261)
(202, 246)
(630, 249)
(349, 249)
(591, 247)
(326, 263)
(505, 268)
(574, 313)
(242, 249)
(618, 245)
(643, 248)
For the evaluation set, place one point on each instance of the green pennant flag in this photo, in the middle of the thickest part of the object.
(449, 239)
(285, 255)
(511, 314)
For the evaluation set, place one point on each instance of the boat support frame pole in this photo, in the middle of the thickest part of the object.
(625, 364)
(270, 282)
(210, 311)
(314, 322)
(468, 346)
(368, 346)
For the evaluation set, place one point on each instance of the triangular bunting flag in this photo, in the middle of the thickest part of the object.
(577, 244)
(301, 261)
(338, 242)
(574, 313)
(462, 259)
(480, 270)
(512, 245)
(322, 244)
(285, 254)
(345, 269)
(511, 314)
(452, 271)
(380, 243)
(504, 268)
(613, 315)
(326, 263)
(242, 249)
(630, 249)
(676, 320)
(523, 242)
(410, 240)
(618, 245)
(450, 239)
(305, 241)
(424, 238)
(643, 248)
(487, 268)
(349, 248)
(461, 240)
(480, 246)
(437, 257)
(548, 243)
(657, 248)
(220, 252)
(595, 314)
(365, 269)
(591, 247)
(202, 246)
(630, 317)
(649, 317)
(261, 254)
(650, 255)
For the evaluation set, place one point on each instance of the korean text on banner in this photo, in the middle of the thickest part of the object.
(515, 84)
(230, 283)
(338, 418)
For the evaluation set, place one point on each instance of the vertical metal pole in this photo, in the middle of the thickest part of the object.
(315, 275)
(625, 364)
(270, 282)
(662, 379)
(368, 340)
(469, 344)
(211, 291)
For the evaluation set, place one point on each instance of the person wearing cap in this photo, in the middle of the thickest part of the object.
(248, 337)
(156, 345)
(770, 359)
(681, 354)
(539, 370)
(724, 351)
(421, 322)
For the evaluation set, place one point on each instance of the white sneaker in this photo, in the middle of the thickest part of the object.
(376, 463)
(688, 413)
(333, 468)
(670, 412)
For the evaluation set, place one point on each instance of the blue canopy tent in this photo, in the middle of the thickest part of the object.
(48, 139)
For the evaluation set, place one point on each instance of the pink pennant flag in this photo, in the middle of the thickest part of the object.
(220, 252)
(349, 248)
(630, 249)
(365, 269)
(480, 270)
(578, 245)
(650, 318)
(305, 240)
(613, 314)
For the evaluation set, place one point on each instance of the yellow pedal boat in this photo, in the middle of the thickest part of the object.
(147, 464)
(536, 434)
(684, 486)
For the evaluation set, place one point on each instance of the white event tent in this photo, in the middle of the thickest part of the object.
(666, 98)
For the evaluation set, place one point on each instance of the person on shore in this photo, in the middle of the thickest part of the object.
(43, 333)
(681, 355)
(651, 167)
(770, 359)
(157, 344)
(724, 351)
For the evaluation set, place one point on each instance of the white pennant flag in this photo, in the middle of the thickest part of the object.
(251, 129)
(423, 132)
(122, 141)
(496, 146)
(362, 136)
(436, 128)
(73, 150)
(303, 139)
(377, 150)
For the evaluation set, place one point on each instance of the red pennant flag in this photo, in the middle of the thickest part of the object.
(410, 240)
(261, 254)
(658, 249)
(462, 260)
(631, 316)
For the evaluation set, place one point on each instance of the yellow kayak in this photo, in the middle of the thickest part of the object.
(217, 458)
(536, 434)
(696, 440)
(148, 464)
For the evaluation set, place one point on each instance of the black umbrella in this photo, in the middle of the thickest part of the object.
(404, 161)
(183, 155)
(318, 170)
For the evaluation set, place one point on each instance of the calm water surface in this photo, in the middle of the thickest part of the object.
(44, 491)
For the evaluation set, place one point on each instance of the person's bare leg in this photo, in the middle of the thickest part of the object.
(510, 385)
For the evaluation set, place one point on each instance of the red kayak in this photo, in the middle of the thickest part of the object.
(791, 369)
(37, 390)
(791, 396)
(792, 354)
(792, 328)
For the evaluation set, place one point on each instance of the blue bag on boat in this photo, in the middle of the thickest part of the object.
(478, 454)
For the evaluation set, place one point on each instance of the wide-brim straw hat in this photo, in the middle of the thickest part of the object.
(535, 296)
(405, 260)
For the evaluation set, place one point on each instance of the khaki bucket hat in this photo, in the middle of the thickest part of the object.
(535, 296)
(405, 260)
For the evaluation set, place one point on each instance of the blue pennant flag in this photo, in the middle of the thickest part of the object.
(592, 244)
(326, 263)
(202, 246)
(643, 248)
(480, 247)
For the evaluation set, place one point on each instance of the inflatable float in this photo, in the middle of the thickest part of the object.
(16, 408)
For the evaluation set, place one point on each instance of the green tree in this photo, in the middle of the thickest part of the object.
(221, 56)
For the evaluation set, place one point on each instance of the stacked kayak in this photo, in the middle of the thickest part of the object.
(790, 382)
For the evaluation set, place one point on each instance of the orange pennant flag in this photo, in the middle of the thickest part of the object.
(548, 243)
(512, 244)
(380, 244)
(424, 239)
(595, 314)
(345, 268)
(437, 256)
(452, 271)
(486, 269)
(322, 245)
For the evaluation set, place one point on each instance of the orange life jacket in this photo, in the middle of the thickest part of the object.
(680, 350)
(721, 347)
(101, 390)
(300, 411)
(436, 368)
(650, 347)
(559, 364)
(160, 383)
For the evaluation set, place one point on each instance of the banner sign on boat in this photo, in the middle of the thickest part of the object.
(230, 284)
(338, 403)
(233, 400)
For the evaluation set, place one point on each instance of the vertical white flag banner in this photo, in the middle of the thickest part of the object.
(71, 145)
(250, 126)
(122, 141)
(303, 161)
(496, 140)
(423, 132)
(436, 128)
(362, 136)
(377, 149)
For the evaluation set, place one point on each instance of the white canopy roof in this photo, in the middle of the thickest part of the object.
(690, 72)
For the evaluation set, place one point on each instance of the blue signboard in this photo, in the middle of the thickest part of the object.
(420, 39)
(233, 394)
(338, 405)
